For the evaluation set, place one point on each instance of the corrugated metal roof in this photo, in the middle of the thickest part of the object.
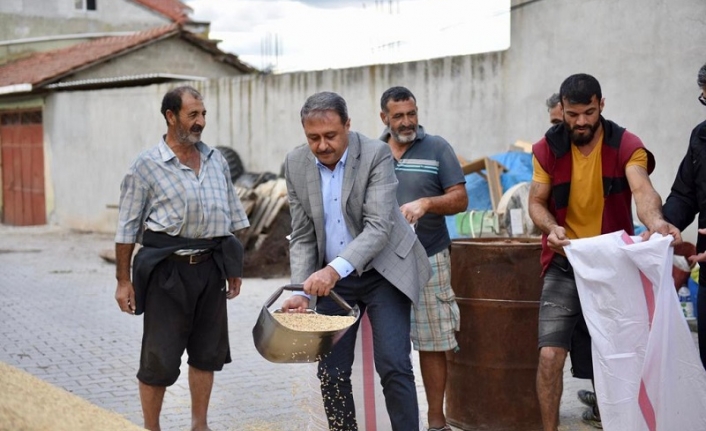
(103, 82)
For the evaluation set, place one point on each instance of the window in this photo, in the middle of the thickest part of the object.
(85, 4)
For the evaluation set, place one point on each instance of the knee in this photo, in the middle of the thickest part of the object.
(552, 358)
(162, 378)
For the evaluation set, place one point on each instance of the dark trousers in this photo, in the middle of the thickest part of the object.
(185, 309)
(389, 313)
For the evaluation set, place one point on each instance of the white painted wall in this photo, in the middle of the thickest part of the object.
(645, 53)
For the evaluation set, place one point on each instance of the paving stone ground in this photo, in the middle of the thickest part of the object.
(59, 322)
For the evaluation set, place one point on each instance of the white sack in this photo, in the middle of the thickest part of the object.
(647, 371)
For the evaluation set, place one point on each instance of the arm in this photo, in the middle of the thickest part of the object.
(451, 179)
(649, 203)
(133, 201)
(125, 292)
(681, 205)
(544, 220)
(453, 201)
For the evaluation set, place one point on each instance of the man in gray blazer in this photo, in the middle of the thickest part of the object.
(349, 234)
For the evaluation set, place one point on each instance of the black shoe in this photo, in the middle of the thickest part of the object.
(587, 397)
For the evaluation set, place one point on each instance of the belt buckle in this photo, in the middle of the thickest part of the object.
(193, 260)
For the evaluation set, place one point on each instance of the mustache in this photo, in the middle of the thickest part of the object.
(196, 129)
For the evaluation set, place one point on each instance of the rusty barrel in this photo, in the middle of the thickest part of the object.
(491, 379)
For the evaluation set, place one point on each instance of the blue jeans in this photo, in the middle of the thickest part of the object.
(389, 313)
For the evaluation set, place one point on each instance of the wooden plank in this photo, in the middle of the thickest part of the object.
(275, 211)
(474, 166)
(523, 146)
(260, 207)
(494, 169)
(268, 204)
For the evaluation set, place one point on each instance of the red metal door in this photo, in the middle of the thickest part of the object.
(22, 156)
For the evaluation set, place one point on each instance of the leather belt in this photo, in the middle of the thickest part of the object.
(192, 259)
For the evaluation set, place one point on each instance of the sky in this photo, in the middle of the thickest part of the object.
(296, 35)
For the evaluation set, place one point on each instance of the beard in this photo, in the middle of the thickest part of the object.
(582, 139)
(404, 139)
(188, 136)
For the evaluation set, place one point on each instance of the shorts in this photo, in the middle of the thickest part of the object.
(185, 309)
(436, 318)
(559, 305)
(581, 356)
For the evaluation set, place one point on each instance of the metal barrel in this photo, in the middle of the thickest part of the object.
(491, 379)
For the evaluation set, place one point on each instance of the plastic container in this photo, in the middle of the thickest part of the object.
(685, 301)
(694, 289)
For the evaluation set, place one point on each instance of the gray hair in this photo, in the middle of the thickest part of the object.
(701, 80)
(553, 100)
(322, 102)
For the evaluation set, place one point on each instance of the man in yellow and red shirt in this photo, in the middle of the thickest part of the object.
(586, 171)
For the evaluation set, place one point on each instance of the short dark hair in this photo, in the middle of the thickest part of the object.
(395, 94)
(553, 100)
(172, 100)
(322, 102)
(701, 80)
(580, 88)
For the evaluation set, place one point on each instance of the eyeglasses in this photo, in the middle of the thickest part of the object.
(702, 99)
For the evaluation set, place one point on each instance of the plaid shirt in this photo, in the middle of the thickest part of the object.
(160, 194)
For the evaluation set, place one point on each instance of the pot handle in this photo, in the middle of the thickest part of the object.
(300, 288)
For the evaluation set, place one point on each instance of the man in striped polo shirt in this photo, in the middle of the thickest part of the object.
(431, 186)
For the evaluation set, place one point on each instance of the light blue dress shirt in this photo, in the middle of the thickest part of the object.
(337, 235)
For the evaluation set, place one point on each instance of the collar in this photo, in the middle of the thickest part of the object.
(559, 140)
(167, 154)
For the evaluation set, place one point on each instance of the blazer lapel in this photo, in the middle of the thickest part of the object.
(316, 201)
(351, 170)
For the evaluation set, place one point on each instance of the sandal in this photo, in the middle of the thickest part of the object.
(444, 428)
(591, 417)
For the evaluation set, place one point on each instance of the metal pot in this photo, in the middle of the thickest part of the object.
(279, 344)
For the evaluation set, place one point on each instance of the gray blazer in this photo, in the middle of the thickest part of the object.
(382, 238)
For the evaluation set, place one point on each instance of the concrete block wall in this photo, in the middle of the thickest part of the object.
(645, 53)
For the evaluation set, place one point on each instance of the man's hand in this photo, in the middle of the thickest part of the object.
(664, 228)
(233, 287)
(295, 304)
(125, 295)
(701, 257)
(557, 240)
(413, 211)
(321, 282)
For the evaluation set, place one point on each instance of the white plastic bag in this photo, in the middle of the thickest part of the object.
(647, 371)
